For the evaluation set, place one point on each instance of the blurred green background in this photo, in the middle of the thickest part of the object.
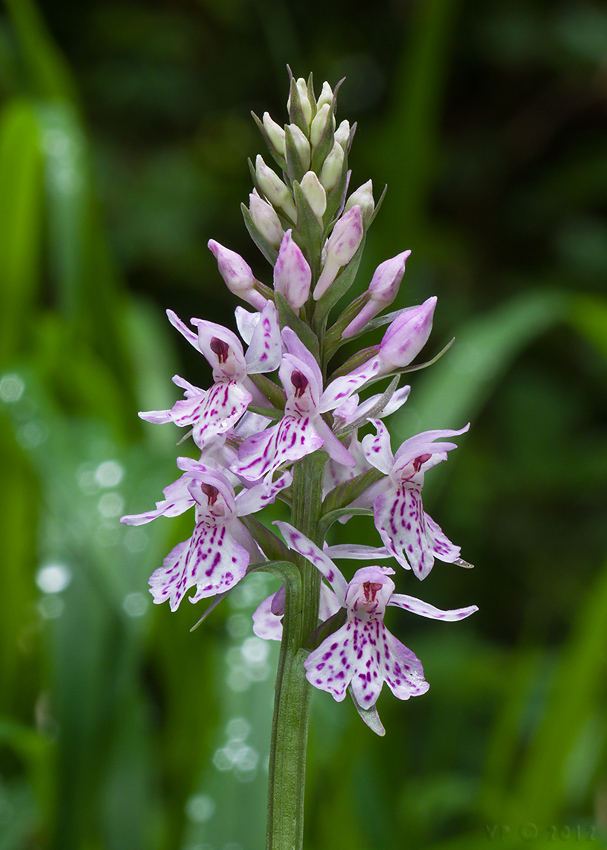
(124, 132)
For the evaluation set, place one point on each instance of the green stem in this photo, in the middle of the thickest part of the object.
(292, 699)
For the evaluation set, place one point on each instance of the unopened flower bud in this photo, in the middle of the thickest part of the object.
(265, 219)
(363, 197)
(326, 96)
(276, 134)
(382, 291)
(304, 99)
(342, 134)
(237, 275)
(302, 145)
(340, 248)
(406, 336)
(274, 189)
(332, 167)
(315, 193)
(319, 124)
(292, 274)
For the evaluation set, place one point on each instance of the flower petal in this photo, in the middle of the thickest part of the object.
(332, 446)
(377, 448)
(183, 329)
(222, 349)
(330, 667)
(171, 581)
(342, 388)
(267, 624)
(440, 544)
(399, 518)
(424, 443)
(291, 439)
(402, 669)
(216, 560)
(265, 350)
(358, 552)
(246, 322)
(416, 606)
(299, 543)
(216, 412)
(296, 347)
(262, 494)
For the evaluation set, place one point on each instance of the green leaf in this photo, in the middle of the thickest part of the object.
(577, 693)
(296, 115)
(368, 715)
(345, 493)
(274, 393)
(294, 167)
(271, 545)
(588, 315)
(47, 67)
(353, 362)
(450, 394)
(288, 319)
(270, 412)
(309, 233)
(21, 193)
(334, 336)
(269, 252)
(327, 519)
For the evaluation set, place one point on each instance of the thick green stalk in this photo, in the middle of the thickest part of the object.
(292, 699)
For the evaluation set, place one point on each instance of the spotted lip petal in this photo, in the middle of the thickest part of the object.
(216, 412)
(211, 559)
(363, 654)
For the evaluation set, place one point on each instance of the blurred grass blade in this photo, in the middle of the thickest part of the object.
(578, 688)
(589, 317)
(21, 193)
(49, 75)
(409, 148)
(456, 388)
